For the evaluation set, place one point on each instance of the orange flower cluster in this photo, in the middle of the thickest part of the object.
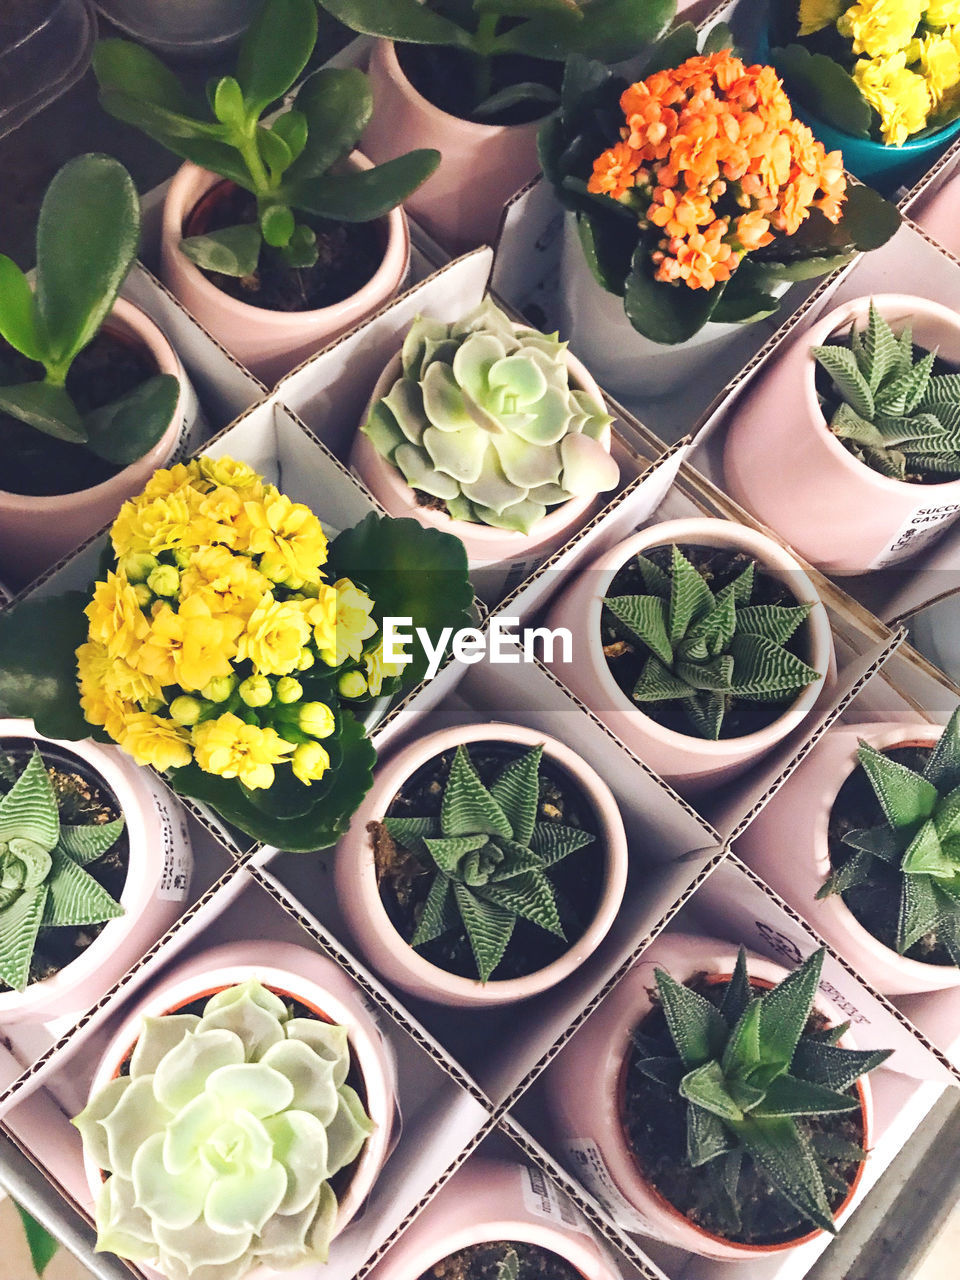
(712, 154)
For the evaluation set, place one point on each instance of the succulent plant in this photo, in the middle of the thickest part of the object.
(490, 857)
(703, 649)
(919, 837)
(221, 1141)
(43, 884)
(485, 420)
(895, 414)
(750, 1073)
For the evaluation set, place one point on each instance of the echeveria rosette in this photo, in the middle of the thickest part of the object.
(43, 884)
(750, 1072)
(484, 419)
(919, 837)
(489, 857)
(220, 1143)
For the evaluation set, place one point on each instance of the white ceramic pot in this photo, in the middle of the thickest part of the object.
(787, 844)
(270, 343)
(687, 761)
(158, 879)
(584, 1089)
(489, 1200)
(355, 877)
(36, 531)
(481, 165)
(783, 463)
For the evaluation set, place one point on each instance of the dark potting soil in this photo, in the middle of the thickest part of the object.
(626, 656)
(448, 78)
(877, 905)
(349, 255)
(577, 880)
(483, 1262)
(654, 1122)
(37, 465)
(82, 797)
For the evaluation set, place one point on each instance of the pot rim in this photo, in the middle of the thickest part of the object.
(565, 1244)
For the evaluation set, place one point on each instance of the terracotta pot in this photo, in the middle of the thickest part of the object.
(305, 976)
(787, 844)
(359, 898)
(840, 514)
(36, 531)
(158, 878)
(485, 545)
(488, 1200)
(584, 1088)
(690, 762)
(481, 165)
(270, 343)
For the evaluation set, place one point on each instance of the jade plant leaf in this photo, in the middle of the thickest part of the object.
(127, 429)
(233, 251)
(274, 51)
(367, 194)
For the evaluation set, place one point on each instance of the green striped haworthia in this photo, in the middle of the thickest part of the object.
(43, 883)
(895, 414)
(705, 649)
(749, 1071)
(490, 857)
(920, 836)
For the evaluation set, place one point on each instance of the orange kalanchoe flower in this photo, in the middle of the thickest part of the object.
(711, 153)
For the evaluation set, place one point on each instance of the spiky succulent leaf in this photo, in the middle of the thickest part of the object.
(783, 1153)
(508, 1268)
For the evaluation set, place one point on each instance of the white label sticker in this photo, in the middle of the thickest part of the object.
(175, 879)
(544, 1200)
(916, 533)
(592, 1171)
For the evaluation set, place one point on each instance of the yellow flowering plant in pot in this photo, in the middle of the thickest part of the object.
(233, 647)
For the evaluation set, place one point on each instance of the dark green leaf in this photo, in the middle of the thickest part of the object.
(274, 152)
(789, 1096)
(196, 140)
(128, 68)
(47, 408)
(785, 1008)
(676, 47)
(488, 926)
(905, 797)
(516, 791)
(666, 313)
(824, 88)
(943, 766)
(17, 318)
(707, 1087)
(38, 641)
(881, 842)
(124, 431)
(696, 1027)
(527, 91)
(337, 104)
(743, 305)
(738, 993)
(364, 195)
(233, 251)
(833, 1066)
(292, 129)
(275, 50)
(439, 912)
(42, 1245)
(717, 39)
(784, 1155)
(468, 808)
(646, 618)
(706, 1136)
(608, 30)
(398, 20)
(919, 911)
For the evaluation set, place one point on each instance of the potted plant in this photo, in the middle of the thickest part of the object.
(481, 1220)
(239, 1117)
(277, 237)
(870, 856)
(728, 1109)
(92, 396)
(869, 464)
(486, 864)
(669, 248)
(94, 864)
(489, 430)
(877, 80)
(474, 80)
(232, 647)
(700, 644)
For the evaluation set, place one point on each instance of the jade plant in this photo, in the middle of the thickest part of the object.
(919, 838)
(484, 419)
(291, 165)
(895, 414)
(752, 1073)
(92, 205)
(703, 649)
(547, 30)
(43, 884)
(489, 857)
(221, 1141)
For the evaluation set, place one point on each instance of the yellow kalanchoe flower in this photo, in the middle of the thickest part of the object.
(231, 748)
(153, 740)
(310, 762)
(116, 619)
(190, 647)
(353, 624)
(227, 583)
(377, 670)
(290, 532)
(816, 14)
(901, 97)
(100, 705)
(942, 13)
(937, 58)
(228, 471)
(879, 28)
(275, 636)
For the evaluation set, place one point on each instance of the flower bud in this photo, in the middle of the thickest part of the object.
(185, 710)
(183, 556)
(310, 762)
(352, 684)
(255, 691)
(274, 567)
(306, 660)
(138, 565)
(219, 688)
(289, 690)
(164, 580)
(143, 593)
(317, 719)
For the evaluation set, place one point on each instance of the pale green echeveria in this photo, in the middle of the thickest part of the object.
(221, 1141)
(484, 419)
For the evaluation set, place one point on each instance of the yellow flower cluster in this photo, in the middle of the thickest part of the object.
(205, 642)
(907, 57)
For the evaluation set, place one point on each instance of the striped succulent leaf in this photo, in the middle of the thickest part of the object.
(489, 856)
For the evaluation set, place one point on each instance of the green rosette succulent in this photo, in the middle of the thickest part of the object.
(485, 421)
(221, 1141)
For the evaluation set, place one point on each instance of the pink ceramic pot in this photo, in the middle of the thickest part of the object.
(359, 898)
(158, 879)
(783, 463)
(36, 532)
(488, 1200)
(585, 1082)
(787, 844)
(270, 343)
(481, 165)
(303, 975)
(687, 761)
(485, 545)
